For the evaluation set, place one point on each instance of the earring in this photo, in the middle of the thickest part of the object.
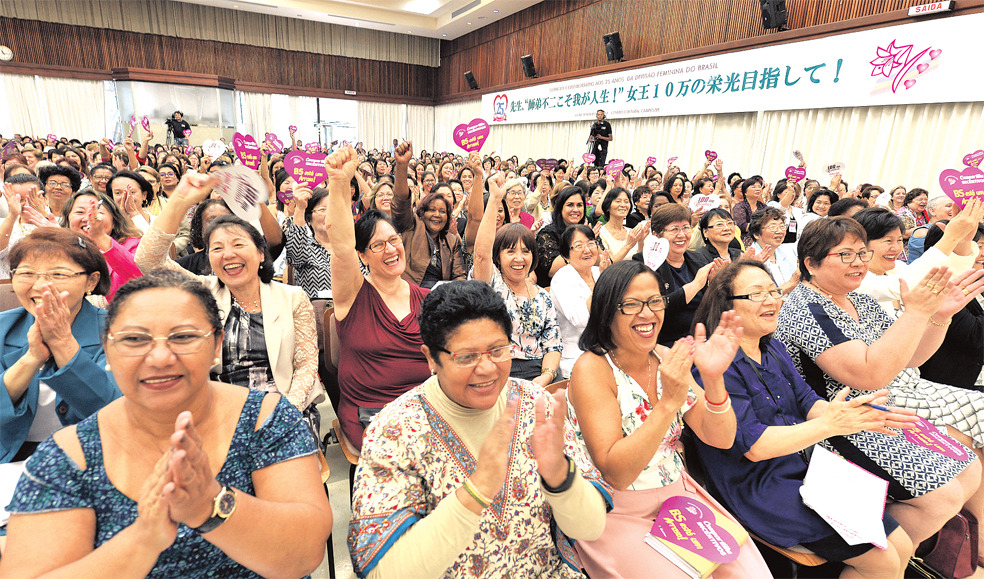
(433, 372)
(216, 361)
(108, 369)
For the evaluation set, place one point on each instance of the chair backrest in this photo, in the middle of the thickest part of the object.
(289, 275)
(8, 300)
(335, 349)
(320, 305)
(558, 385)
(327, 339)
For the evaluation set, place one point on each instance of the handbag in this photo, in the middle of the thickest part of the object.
(951, 553)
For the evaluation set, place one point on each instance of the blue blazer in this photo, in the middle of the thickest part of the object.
(83, 386)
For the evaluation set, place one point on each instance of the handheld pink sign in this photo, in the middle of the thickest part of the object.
(973, 159)
(133, 125)
(671, 160)
(710, 155)
(247, 150)
(795, 174)
(145, 123)
(926, 435)
(692, 525)
(306, 168)
(471, 136)
(588, 158)
(274, 141)
(650, 160)
(312, 147)
(614, 167)
(547, 164)
(292, 129)
(52, 137)
(962, 185)
(186, 133)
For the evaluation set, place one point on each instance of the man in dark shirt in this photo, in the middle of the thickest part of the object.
(601, 135)
(177, 126)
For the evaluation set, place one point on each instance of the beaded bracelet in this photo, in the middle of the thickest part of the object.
(939, 325)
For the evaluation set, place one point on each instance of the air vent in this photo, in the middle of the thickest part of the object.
(464, 9)
(335, 16)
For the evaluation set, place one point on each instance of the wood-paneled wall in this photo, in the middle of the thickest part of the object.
(564, 36)
(58, 48)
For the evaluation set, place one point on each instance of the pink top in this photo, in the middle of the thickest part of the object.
(122, 267)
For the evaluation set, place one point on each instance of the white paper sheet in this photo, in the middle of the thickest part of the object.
(9, 474)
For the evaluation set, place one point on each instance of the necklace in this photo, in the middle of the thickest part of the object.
(251, 306)
(822, 291)
(530, 319)
(649, 369)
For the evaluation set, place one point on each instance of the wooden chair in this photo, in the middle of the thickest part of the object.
(800, 557)
(8, 300)
(332, 353)
(289, 275)
(558, 385)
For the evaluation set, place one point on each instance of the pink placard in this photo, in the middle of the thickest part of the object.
(306, 168)
(654, 251)
(795, 174)
(10, 147)
(588, 158)
(692, 525)
(186, 133)
(145, 123)
(547, 164)
(471, 136)
(292, 129)
(247, 150)
(614, 167)
(962, 185)
(973, 159)
(312, 147)
(650, 160)
(710, 155)
(133, 125)
(52, 138)
(274, 141)
(925, 434)
(671, 160)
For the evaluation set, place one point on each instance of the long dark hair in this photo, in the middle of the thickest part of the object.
(717, 297)
(557, 223)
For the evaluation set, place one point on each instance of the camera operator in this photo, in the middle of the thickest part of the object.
(176, 125)
(601, 135)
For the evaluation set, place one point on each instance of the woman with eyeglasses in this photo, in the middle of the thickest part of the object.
(817, 207)
(779, 418)
(629, 399)
(309, 249)
(376, 314)
(180, 477)
(839, 337)
(718, 230)
(768, 228)
(469, 474)
(572, 287)
(269, 332)
(51, 359)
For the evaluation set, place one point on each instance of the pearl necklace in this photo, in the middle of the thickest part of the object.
(250, 307)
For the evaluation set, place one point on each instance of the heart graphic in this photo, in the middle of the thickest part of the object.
(145, 123)
(292, 129)
(499, 104)
(795, 174)
(9, 148)
(52, 137)
(471, 136)
(547, 164)
(925, 434)
(312, 147)
(189, 150)
(654, 251)
(692, 525)
(133, 125)
(306, 168)
(274, 141)
(710, 155)
(214, 149)
(650, 160)
(714, 177)
(588, 158)
(704, 202)
(671, 160)
(934, 54)
(909, 83)
(973, 159)
(614, 167)
(922, 67)
(962, 185)
(186, 133)
(247, 150)
(285, 196)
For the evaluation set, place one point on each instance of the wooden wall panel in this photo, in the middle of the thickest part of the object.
(564, 36)
(95, 51)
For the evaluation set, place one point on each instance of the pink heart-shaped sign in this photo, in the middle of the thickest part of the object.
(963, 185)
(922, 67)
(934, 54)
(274, 141)
(133, 124)
(285, 196)
(189, 150)
(909, 83)
(714, 177)
(973, 159)
(187, 133)
(292, 129)
(145, 123)
(671, 160)
(692, 525)
(112, 145)
(247, 150)
(306, 168)
(654, 251)
(588, 158)
(614, 167)
(471, 136)
(710, 155)
(795, 174)
(312, 147)
(52, 137)
(650, 160)
(547, 164)
(925, 434)
(9, 148)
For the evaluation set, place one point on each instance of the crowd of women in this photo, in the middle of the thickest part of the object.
(523, 351)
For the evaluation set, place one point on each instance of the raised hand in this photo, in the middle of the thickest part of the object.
(342, 164)
(714, 355)
(14, 202)
(844, 417)
(404, 152)
(547, 440)
(35, 217)
(193, 188)
(674, 374)
(54, 320)
(493, 457)
(154, 525)
(966, 286)
(192, 488)
(302, 195)
(928, 294)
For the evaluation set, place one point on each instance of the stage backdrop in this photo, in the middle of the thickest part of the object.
(923, 62)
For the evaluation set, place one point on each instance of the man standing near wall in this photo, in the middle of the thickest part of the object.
(176, 125)
(601, 135)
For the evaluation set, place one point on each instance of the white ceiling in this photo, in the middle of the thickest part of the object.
(443, 19)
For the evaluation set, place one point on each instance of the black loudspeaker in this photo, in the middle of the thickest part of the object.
(528, 69)
(774, 14)
(613, 47)
(472, 83)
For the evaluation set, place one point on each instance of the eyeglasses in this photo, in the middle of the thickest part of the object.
(722, 226)
(469, 359)
(775, 228)
(760, 296)
(584, 245)
(28, 276)
(515, 192)
(57, 185)
(140, 343)
(379, 246)
(384, 196)
(848, 256)
(168, 174)
(100, 179)
(320, 210)
(674, 230)
(633, 307)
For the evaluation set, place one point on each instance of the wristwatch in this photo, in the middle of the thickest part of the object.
(225, 505)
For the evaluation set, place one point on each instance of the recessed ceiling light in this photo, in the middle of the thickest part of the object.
(469, 24)
(481, 17)
(444, 35)
(495, 12)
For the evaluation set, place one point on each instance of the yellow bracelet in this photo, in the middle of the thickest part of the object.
(939, 325)
(475, 494)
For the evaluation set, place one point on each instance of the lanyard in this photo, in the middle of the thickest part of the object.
(804, 453)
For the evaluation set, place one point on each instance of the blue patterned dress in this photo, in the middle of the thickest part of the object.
(53, 482)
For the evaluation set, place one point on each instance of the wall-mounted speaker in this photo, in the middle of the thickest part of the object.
(472, 83)
(528, 69)
(613, 47)
(774, 14)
